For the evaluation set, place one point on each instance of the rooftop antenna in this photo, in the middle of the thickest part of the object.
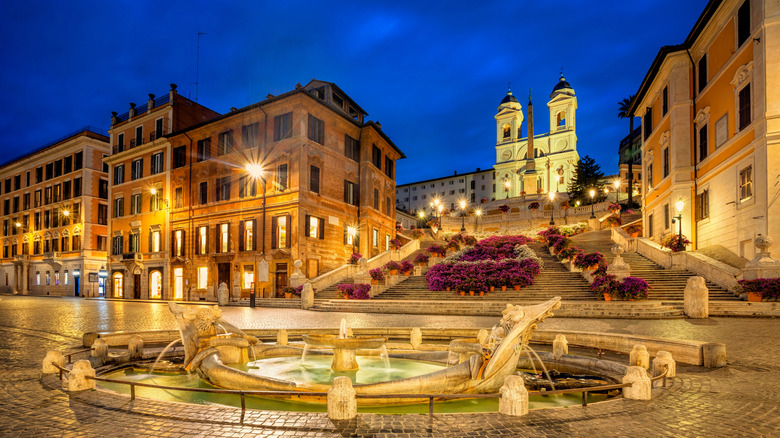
(197, 65)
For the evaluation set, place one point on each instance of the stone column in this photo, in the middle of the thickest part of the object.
(77, 378)
(342, 404)
(639, 357)
(619, 268)
(641, 388)
(223, 294)
(297, 278)
(25, 278)
(514, 397)
(696, 298)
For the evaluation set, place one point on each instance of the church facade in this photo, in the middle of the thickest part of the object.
(536, 164)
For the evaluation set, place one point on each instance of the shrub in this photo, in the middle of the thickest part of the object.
(569, 253)
(674, 242)
(421, 258)
(452, 244)
(297, 290)
(395, 244)
(614, 221)
(377, 274)
(361, 292)
(470, 240)
(457, 238)
(552, 239)
(503, 208)
(406, 266)
(416, 234)
(606, 284)
(769, 288)
(634, 228)
(633, 288)
(543, 235)
(533, 206)
(346, 289)
(392, 265)
(289, 290)
(614, 208)
(437, 250)
(584, 261)
(355, 258)
(561, 244)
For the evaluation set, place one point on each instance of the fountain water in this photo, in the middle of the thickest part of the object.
(544, 367)
(343, 329)
(154, 365)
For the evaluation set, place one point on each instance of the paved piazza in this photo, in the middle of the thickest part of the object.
(742, 399)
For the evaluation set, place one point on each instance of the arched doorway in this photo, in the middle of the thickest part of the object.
(155, 285)
(118, 284)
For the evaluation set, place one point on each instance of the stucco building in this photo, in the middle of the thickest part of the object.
(710, 110)
(54, 217)
(473, 187)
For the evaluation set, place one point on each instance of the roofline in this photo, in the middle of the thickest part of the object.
(87, 131)
(447, 177)
(365, 114)
(284, 96)
(655, 67)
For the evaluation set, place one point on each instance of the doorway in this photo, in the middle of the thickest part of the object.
(76, 284)
(281, 279)
(223, 274)
(137, 286)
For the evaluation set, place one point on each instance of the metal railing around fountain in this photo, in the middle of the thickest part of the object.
(429, 397)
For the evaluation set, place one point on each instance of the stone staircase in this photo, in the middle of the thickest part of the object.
(666, 284)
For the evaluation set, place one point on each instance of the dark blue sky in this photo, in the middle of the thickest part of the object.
(432, 72)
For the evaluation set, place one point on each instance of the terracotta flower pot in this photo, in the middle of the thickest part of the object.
(448, 288)
(517, 287)
(634, 234)
(481, 293)
(288, 295)
(607, 297)
(471, 293)
(492, 288)
(407, 273)
(373, 281)
(393, 272)
(754, 296)
(346, 297)
(463, 293)
(503, 288)
(421, 263)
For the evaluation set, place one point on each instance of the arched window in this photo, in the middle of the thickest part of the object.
(155, 285)
(507, 131)
(561, 118)
(118, 284)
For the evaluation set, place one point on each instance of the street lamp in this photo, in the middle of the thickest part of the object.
(592, 194)
(477, 214)
(352, 231)
(679, 205)
(617, 188)
(462, 215)
(507, 184)
(551, 195)
(256, 172)
(421, 215)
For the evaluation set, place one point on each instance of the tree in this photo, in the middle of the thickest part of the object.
(623, 107)
(586, 176)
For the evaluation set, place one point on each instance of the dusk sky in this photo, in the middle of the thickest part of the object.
(433, 73)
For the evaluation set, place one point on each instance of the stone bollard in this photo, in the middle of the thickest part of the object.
(696, 298)
(639, 357)
(560, 346)
(416, 338)
(297, 278)
(135, 346)
(223, 295)
(342, 404)
(514, 397)
(483, 336)
(714, 355)
(641, 386)
(100, 348)
(53, 357)
(663, 361)
(307, 296)
(281, 337)
(77, 378)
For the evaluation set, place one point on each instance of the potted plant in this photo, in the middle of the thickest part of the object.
(361, 291)
(470, 240)
(633, 288)
(346, 290)
(288, 291)
(761, 288)
(421, 259)
(406, 267)
(588, 260)
(533, 206)
(377, 275)
(607, 286)
(614, 208)
(355, 258)
(437, 251)
(503, 208)
(395, 244)
(453, 245)
(674, 242)
(522, 193)
(569, 253)
(564, 205)
(417, 234)
(633, 230)
(614, 221)
(392, 267)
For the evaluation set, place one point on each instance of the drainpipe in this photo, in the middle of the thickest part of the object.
(694, 223)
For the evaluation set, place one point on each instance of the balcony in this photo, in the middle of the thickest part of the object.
(53, 258)
(21, 258)
(132, 256)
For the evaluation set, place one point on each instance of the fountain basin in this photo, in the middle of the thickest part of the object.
(343, 348)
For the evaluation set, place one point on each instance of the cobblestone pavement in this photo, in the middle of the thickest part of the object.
(742, 399)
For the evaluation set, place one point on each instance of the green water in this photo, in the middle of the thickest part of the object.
(317, 369)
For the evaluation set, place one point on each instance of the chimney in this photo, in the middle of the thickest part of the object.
(113, 118)
(172, 93)
(478, 169)
(456, 172)
(378, 125)
(150, 102)
(269, 96)
(131, 112)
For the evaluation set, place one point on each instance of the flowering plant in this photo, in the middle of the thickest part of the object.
(416, 234)
(483, 200)
(355, 258)
(433, 223)
(606, 284)
(613, 207)
(522, 192)
(634, 288)
(355, 291)
(395, 244)
(768, 288)
(470, 240)
(569, 253)
(398, 226)
(564, 205)
(503, 208)
(457, 238)
(552, 239)
(289, 290)
(561, 244)
(377, 274)
(437, 250)
(614, 221)
(629, 211)
(533, 206)
(543, 235)
(421, 258)
(406, 266)
(634, 228)
(392, 265)
(539, 191)
(584, 261)
(452, 244)
(674, 242)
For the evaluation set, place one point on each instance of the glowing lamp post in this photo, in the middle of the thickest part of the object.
(679, 205)
(617, 188)
(421, 215)
(352, 231)
(507, 184)
(256, 172)
(477, 214)
(462, 215)
(551, 195)
(592, 194)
